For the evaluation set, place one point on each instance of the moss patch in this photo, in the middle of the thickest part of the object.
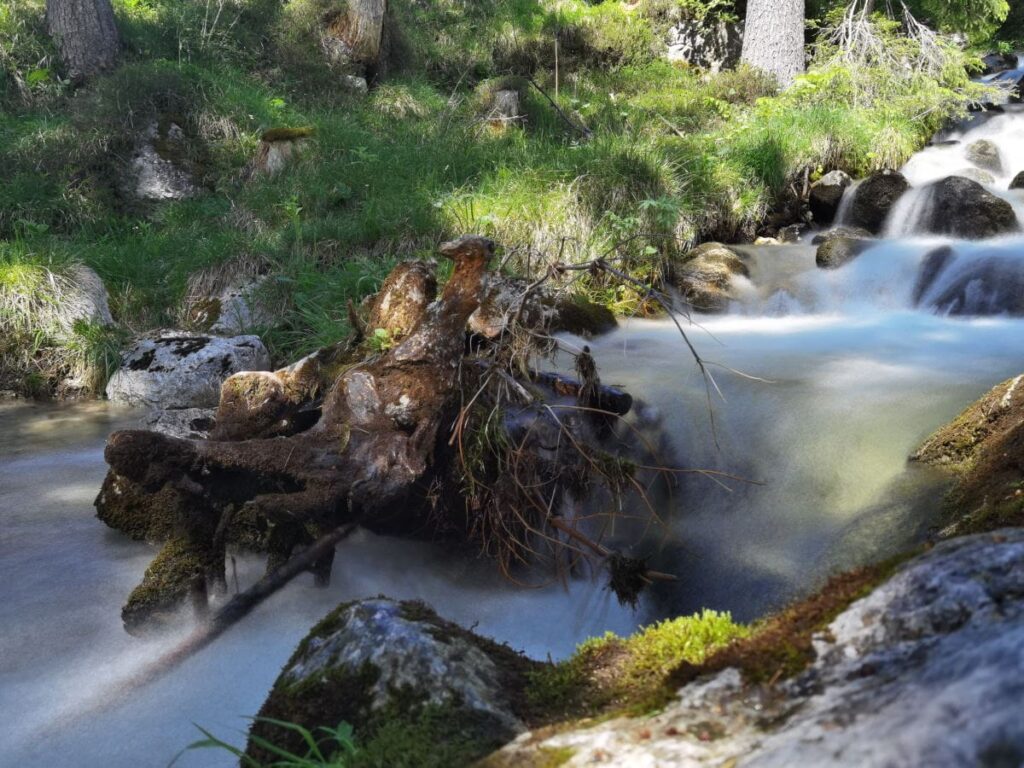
(615, 674)
(780, 646)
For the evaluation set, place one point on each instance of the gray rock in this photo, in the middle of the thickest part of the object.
(174, 369)
(1018, 181)
(926, 670)
(381, 656)
(83, 297)
(157, 170)
(984, 154)
(875, 198)
(826, 195)
(712, 45)
(240, 309)
(965, 209)
(976, 174)
(704, 276)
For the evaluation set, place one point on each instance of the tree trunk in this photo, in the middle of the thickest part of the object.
(85, 34)
(774, 38)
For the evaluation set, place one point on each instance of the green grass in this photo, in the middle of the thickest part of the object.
(675, 158)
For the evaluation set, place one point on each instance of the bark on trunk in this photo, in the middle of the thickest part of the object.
(360, 30)
(774, 38)
(85, 34)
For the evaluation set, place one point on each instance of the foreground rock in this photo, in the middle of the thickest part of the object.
(964, 209)
(984, 448)
(174, 369)
(926, 670)
(704, 277)
(380, 664)
(874, 199)
(826, 195)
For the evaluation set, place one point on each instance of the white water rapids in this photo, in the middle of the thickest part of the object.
(857, 366)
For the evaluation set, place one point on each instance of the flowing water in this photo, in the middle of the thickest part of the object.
(846, 372)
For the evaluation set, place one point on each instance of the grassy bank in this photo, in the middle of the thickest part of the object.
(673, 156)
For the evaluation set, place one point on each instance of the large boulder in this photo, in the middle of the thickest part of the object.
(174, 369)
(925, 670)
(875, 198)
(826, 195)
(713, 44)
(963, 208)
(1018, 181)
(704, 276)
(380, 665)
(985, 154)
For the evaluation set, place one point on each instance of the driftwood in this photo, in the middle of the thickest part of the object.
(431, 436)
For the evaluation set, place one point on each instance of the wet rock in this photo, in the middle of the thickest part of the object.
(965, 209)
(704, 276)
(826, 195)
(159, 169)
(841, 247)
(174, 369)
(380, 661)
(792, 233)
(976, 174)
(926, 670)
(985, 154)
(984, 448)
(875, 198)
(1018, 181)
(711, 44)
(998, 62)
(935, 262)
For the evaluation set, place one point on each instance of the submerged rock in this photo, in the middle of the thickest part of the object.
(875, 198)
(985, 154)
(704, 276)
(965, 209)
(826, 195)
(976, 174)
(926, 670)
(173, 369)
(380, 663)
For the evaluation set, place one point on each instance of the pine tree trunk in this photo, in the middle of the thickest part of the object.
(85, 33)
(774, 38)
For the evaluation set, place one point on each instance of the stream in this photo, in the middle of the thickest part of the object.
(846, 372)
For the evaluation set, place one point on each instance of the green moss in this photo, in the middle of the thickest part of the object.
(167, 583)
(780, 646)
(288, 134)
(613, 673)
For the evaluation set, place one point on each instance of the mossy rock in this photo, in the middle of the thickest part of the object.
(417, 689)
(287, 134)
